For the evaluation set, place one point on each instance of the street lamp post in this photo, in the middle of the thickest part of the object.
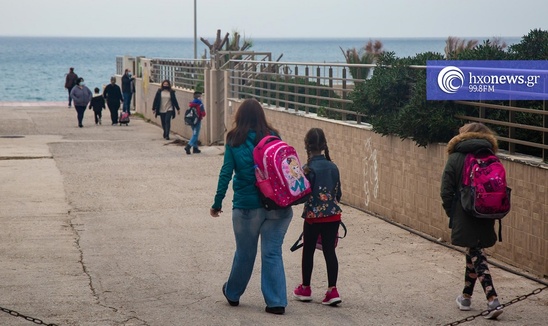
(195, 34)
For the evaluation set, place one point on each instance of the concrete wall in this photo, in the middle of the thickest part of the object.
(400, 181)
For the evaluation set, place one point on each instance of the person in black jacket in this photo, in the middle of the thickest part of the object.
(97, 104)
(113, 95)
(165, 103)
(70, 82)
(128, 88)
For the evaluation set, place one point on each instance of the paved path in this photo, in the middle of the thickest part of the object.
(109, 225)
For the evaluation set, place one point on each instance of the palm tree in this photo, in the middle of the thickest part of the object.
(367, 55)
(455, 45)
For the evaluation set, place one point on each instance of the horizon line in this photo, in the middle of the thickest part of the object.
(260, 37)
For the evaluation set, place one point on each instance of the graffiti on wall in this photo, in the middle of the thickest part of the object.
(370, 172)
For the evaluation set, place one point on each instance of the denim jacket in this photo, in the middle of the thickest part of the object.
(326, 189)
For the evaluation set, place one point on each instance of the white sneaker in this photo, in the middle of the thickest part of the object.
(464, 303)
(496, 309)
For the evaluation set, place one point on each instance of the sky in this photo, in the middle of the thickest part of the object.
(273, 19)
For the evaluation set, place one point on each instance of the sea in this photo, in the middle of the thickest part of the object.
(33, 69)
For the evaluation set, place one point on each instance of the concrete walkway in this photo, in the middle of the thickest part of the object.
(109, 225)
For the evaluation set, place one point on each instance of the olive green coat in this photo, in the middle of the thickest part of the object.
(466, 231)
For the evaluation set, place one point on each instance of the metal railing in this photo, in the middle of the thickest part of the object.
(187, 74)
(512, 126)
(320, 88)
(324, 88)
(119, 65)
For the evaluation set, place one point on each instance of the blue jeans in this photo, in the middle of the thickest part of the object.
(271, 226)
(193, 142)
(127, 102)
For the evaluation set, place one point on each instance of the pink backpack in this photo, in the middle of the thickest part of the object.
(484, 192)
(280, 177)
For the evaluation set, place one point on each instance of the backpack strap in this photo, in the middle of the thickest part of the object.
(344, 228)
(298, 245)
(500, 230)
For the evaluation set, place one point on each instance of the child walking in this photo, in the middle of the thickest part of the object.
(467, 231)
(322, 216)
(98, 104)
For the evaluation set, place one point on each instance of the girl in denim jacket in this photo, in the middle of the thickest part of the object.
(322, 216)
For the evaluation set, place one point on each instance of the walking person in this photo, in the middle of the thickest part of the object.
(200, 110)
(250, 219)
(113, 96)
(97, 104)
(128, 88)
(322, 217)
(70, 82)
(467, 231)
(164, 104)
(81, 96)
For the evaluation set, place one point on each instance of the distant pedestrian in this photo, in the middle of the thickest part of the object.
(81, 95)
(128, 88)
(113, 96)
(250, 220)
(467, 231)
(164, 104)
(200, 110)
(322, 216)
(98, 105)
(70, 82)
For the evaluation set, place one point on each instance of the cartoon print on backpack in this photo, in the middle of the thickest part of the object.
(294, 172)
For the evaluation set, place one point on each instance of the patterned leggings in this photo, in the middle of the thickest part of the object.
(476, 268)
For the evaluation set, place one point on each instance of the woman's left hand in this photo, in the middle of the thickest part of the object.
(214, 212)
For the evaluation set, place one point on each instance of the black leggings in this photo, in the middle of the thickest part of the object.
(328, 232)
(80, 110)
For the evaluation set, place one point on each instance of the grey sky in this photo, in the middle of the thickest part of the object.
(279, 18)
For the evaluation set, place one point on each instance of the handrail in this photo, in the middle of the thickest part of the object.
(298, 63)
(324, 88)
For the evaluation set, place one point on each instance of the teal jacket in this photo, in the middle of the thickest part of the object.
(238, 161)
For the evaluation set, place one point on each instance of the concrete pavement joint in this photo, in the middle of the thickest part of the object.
(7, 158)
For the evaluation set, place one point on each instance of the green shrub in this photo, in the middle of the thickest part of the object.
(533, 46)
(394, 99)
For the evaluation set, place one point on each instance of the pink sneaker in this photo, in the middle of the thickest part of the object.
(303, 294)
(332, 298)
